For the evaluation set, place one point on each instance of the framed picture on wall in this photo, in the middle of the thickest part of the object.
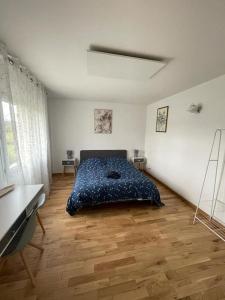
(103, 121)
(161, 120)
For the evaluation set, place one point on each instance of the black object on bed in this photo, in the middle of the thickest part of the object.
(113, 175)
(93, 187)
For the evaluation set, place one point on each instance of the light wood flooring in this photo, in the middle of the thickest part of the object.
(120, 251)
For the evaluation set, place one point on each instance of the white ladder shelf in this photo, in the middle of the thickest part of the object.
(209, 219)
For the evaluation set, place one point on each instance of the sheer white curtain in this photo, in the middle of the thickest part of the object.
(24, 124)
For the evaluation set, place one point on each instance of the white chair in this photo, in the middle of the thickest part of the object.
(21, 240)
(41, 202)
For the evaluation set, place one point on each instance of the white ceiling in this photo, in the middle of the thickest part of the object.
(52, 38)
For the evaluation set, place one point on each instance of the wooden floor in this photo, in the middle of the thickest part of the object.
(122, 251)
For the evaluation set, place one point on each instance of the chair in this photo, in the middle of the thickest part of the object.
(22, 238)
(41, 202)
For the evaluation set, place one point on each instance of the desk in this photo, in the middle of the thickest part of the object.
(14, 209)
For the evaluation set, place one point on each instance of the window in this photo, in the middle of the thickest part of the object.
(9, 135)
(8, 150)
(2, 167)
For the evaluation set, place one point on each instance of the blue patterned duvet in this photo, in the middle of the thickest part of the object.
(92, 187)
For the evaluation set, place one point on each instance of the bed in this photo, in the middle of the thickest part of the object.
(93, 187)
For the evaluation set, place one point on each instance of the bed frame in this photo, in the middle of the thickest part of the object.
(85, 154)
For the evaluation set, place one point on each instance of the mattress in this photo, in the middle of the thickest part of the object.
(93, 187)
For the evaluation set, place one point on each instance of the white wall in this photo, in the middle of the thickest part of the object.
(179, 156)
(72, 127)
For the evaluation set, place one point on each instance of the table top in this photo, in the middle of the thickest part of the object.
(14, 203)
(137, 157)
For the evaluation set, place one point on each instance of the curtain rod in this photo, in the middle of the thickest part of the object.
(12, 60)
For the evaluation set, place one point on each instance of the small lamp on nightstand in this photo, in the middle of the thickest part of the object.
(70, 154)
(136, 151)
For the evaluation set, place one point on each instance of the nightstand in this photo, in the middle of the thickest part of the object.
(68, 163)
(139, 162)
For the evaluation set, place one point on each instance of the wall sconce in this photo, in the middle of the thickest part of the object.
(195, 108)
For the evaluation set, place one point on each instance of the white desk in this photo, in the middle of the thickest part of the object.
(14, 208)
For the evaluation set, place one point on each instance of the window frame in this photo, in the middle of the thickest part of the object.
(3, 156)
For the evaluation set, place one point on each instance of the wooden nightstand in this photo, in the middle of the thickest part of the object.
(68, 163)
(139, 162)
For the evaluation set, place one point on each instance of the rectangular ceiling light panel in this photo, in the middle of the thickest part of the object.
(120, 66)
